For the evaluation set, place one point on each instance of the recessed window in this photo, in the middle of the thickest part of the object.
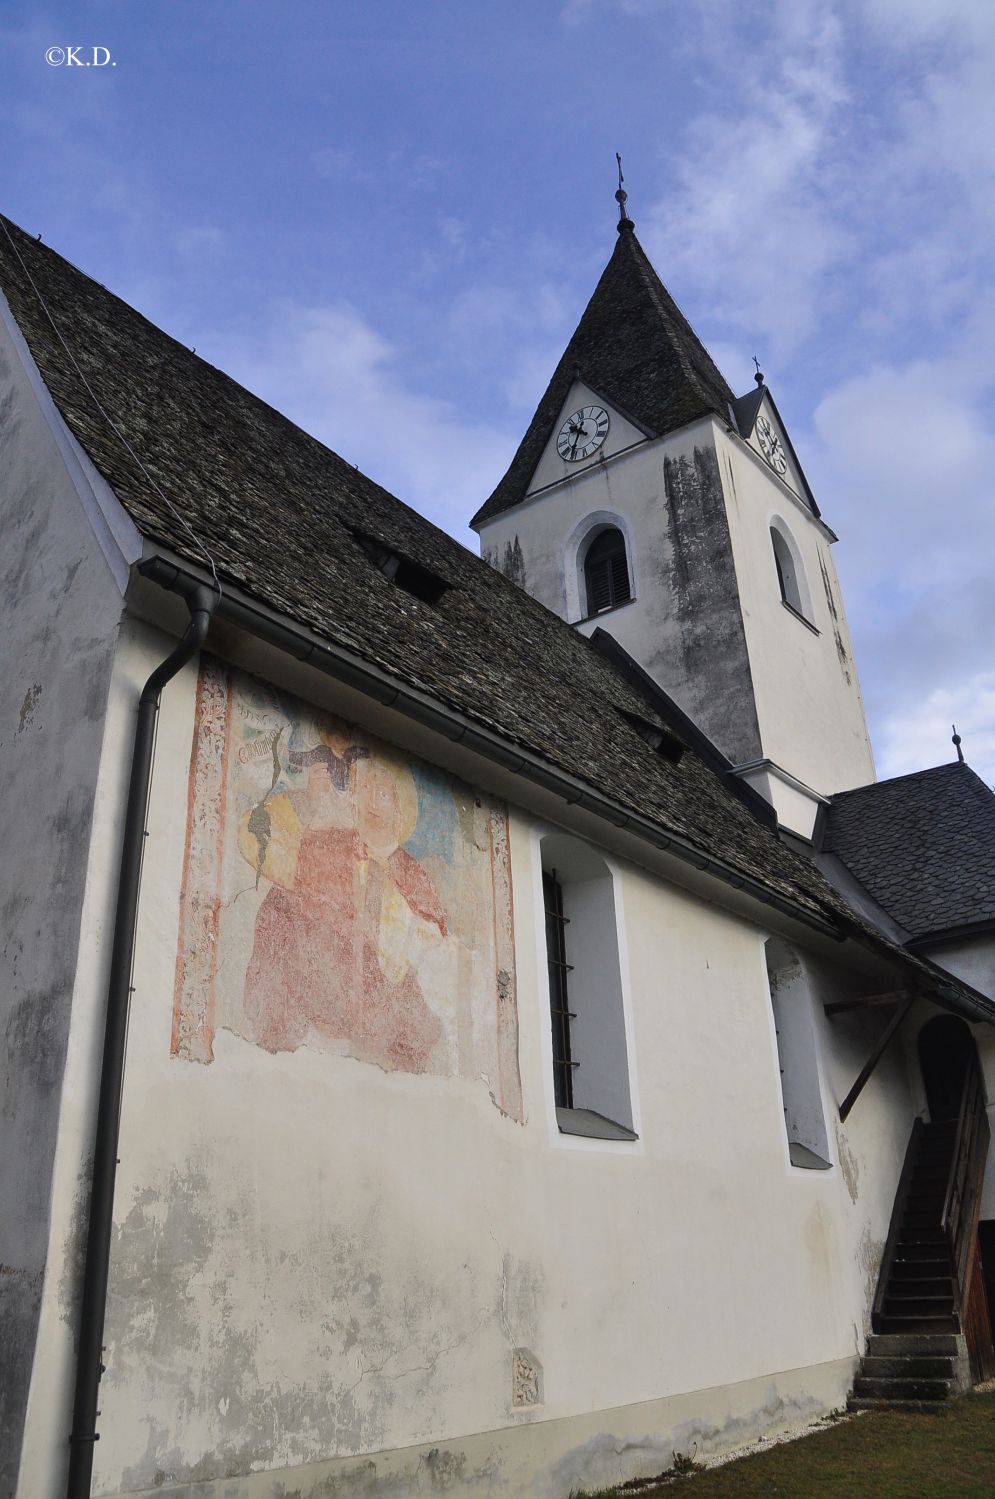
(790, 573)
(606, 572)
(587, 1021)
(559, 1004)
(797, 1058)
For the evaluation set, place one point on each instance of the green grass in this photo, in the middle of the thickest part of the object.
(881, 1455)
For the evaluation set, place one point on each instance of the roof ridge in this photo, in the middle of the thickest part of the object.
(912, 775)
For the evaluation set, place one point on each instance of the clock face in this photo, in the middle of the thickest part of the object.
(770, 445)
(583, 433)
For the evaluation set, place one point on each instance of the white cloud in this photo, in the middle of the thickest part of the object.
(903, 460)
(919, 734)
(752, 223)
(197, 241)
(330, 371)
(904, 457)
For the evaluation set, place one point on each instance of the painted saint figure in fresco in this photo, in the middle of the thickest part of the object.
(341, 896)
(332, 935)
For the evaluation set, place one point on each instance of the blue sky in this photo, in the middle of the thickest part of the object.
(386, 219)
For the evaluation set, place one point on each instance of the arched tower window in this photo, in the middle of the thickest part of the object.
(606, 571)
(790, 573)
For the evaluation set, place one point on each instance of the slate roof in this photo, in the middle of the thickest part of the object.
(923, 845)
(279, 514)
(636, 348)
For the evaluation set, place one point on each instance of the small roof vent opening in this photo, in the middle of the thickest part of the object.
(662, 740)
(415, 579)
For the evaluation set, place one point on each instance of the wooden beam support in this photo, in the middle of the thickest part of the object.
(866, 1002)
(875, 1057)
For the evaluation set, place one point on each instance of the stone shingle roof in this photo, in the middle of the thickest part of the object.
(636, 348)
(923, 845)
(279, 514)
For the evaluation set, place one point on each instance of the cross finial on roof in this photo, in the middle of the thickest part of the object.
(758, 377)
(621, 198)
(956, 741)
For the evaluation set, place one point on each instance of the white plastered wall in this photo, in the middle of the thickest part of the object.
(805, 681)
(315, 1259)
(64, 555)
(626, 491)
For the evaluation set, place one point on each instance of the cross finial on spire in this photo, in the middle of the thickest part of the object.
(621, 198)
(758, 377)
(956, 741)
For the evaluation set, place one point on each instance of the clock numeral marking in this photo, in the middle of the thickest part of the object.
(582, 433)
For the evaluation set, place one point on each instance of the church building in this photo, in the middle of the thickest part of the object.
(470, 1025)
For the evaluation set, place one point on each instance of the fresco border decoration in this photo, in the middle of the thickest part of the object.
(341, 895)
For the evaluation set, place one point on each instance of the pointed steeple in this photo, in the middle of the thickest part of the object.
(636, 348)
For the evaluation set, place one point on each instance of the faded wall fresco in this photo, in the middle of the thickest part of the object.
(340, 895)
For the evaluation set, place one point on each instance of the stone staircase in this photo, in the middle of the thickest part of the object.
(917, 1354)
(912, 1370)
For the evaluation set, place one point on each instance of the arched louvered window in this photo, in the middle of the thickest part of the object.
(787, 576)
(606, 572)
(790, 568)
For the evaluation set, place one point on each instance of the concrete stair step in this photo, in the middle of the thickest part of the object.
(935, 1291)
(902, 1389)
(920, 1286)
(911, 1238)
(921, 1269)
(893, 1322)
(919, 1306)
(895, 1345)
(912, 1366)
(920, 1407)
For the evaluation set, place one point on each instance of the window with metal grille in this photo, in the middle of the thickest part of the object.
(560, 1013)
(606, 572)
(589, 1053)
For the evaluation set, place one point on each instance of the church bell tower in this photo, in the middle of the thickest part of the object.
(648, 500)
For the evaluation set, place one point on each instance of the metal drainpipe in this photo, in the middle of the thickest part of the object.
(202, 602)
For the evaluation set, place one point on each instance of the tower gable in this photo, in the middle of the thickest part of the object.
(759, 423)
(635, 347)
(622, 434)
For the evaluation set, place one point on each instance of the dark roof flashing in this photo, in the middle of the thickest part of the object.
(746, 409)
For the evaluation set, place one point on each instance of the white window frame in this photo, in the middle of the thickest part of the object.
(797, 1059)
(795, 594)
(575, 553)
(559, 1137)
